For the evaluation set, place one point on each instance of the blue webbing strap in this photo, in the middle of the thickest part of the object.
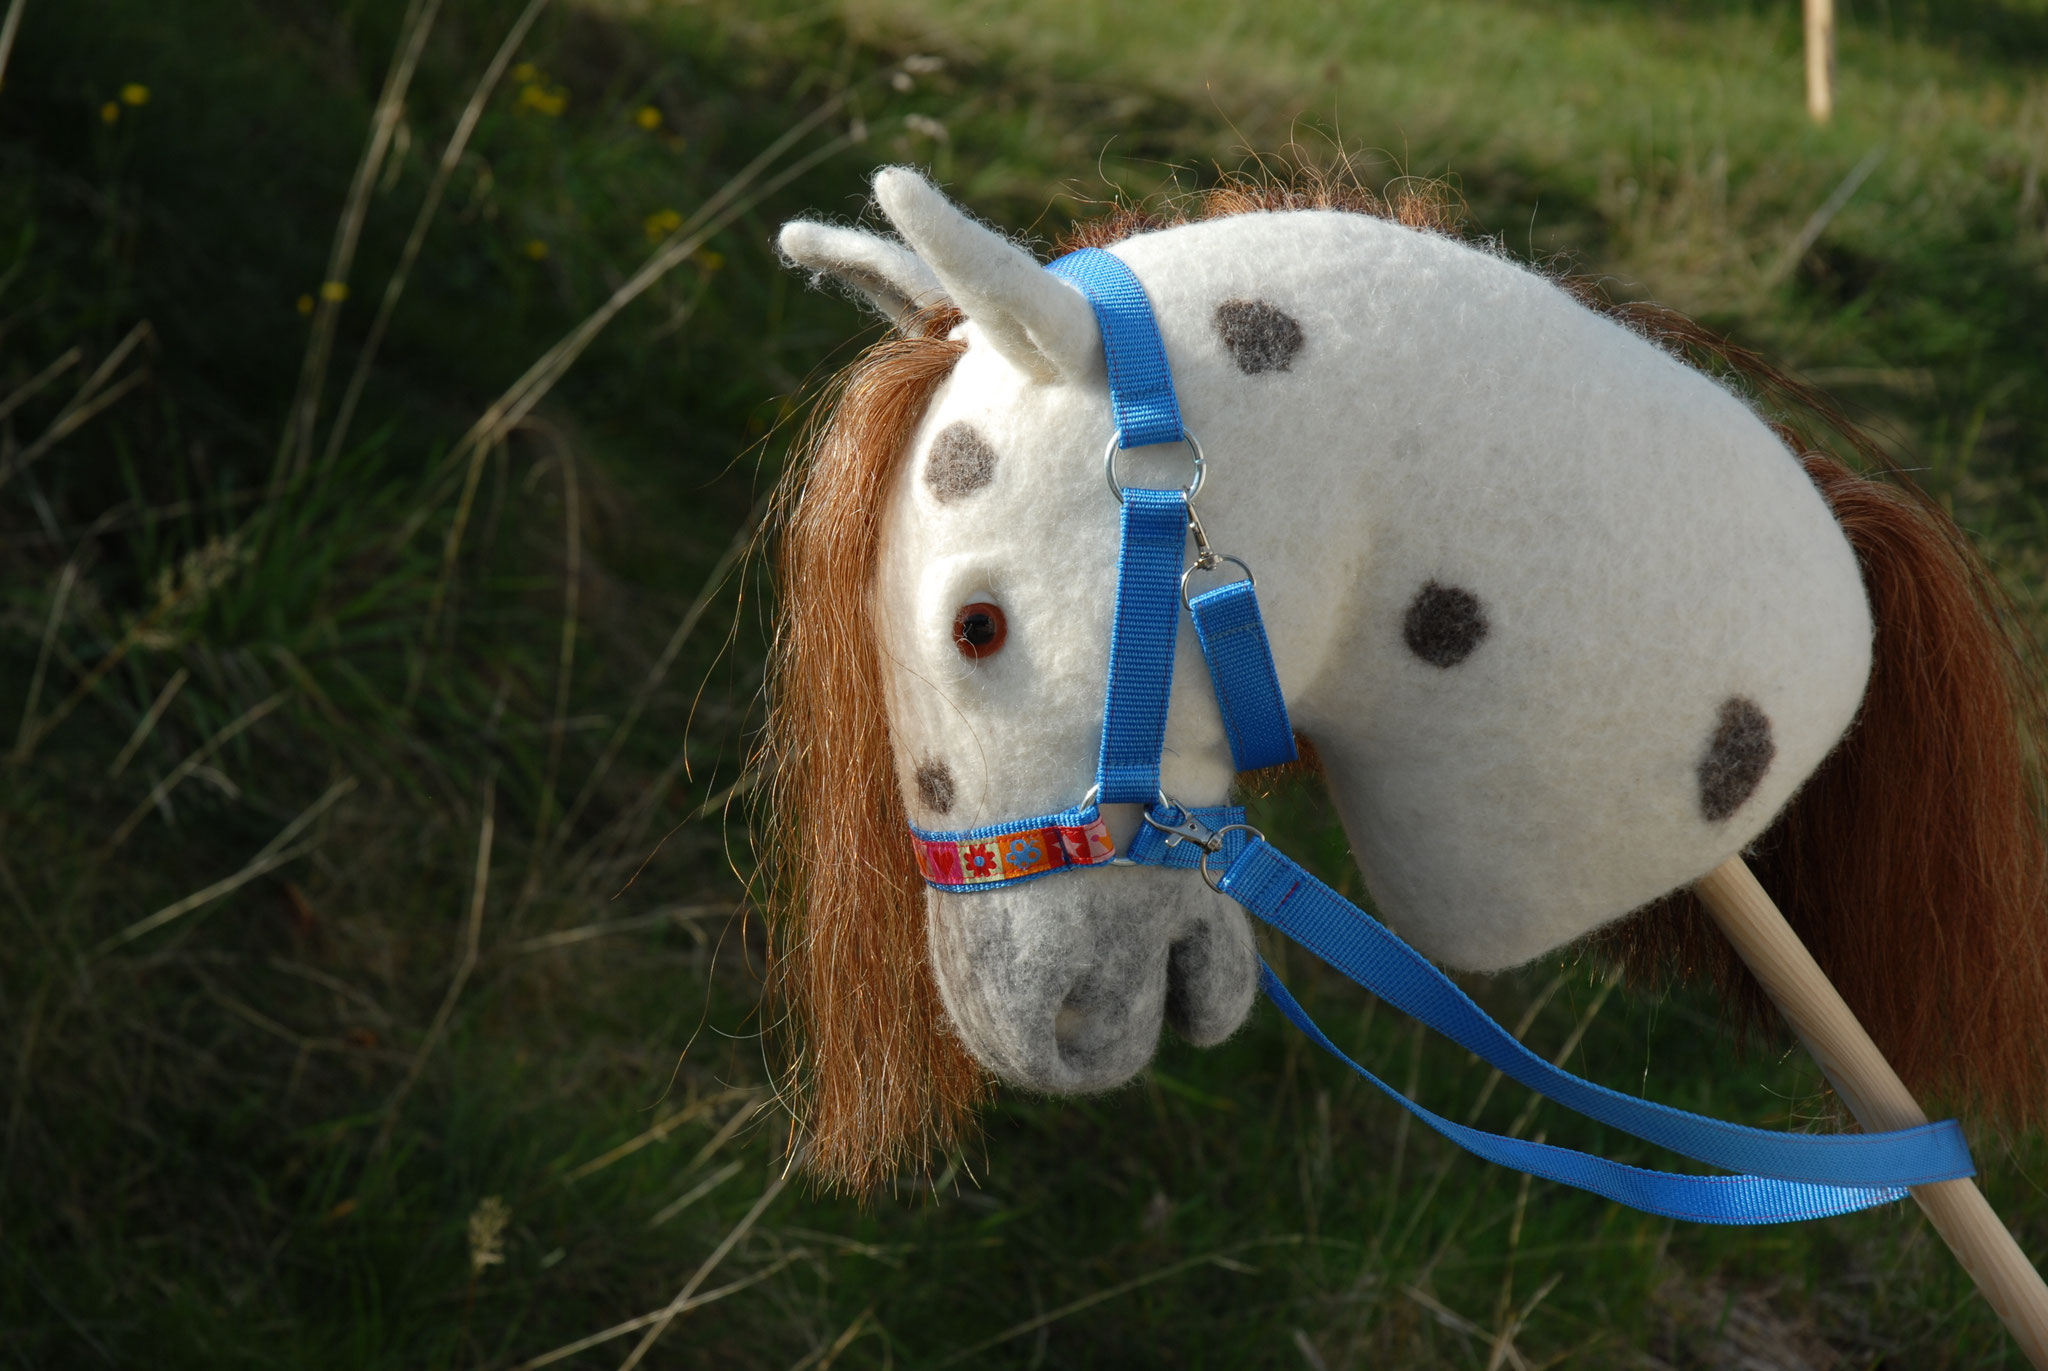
(1140, 385)
(1155, 531)
(1233, 638)
(1702, 1199)
(1151, 848)
(1279, 891)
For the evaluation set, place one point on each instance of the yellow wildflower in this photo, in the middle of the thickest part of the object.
(648, 118)
(109, 112)
(526, 71)
(541, 100)
(707, 260)
(535, 249)
(662, 223)
(305, 304)
(334, 292)
(134, 93)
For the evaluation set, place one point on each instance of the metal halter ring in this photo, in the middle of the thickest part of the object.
(1146, 814)
(1209, 880)
(1193, 487)
(1213, 559)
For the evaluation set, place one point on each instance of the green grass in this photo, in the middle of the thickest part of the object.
(251, 1135)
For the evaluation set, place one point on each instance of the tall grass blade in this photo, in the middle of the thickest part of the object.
(248, 719)
(147, 724)
(430, 206)
(273, 854)
(295, 452)
(681, 1302)
(480, 882)
(22, 735)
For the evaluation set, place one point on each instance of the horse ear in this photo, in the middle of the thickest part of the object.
(1045, 327)
(890, 275)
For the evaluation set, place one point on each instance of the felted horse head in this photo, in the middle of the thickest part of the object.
(1566, 622)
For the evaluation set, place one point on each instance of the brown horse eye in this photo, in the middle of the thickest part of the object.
(978, 630)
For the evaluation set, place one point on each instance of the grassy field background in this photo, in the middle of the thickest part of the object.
(379, 987)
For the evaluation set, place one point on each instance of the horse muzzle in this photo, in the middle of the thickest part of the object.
(1062, 985)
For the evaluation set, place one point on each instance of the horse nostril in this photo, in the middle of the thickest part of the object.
(1188, 964)
(1067, 1025)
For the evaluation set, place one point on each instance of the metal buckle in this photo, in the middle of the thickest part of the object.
(1208, 561)
(1208, 852)
(1191, 489)
(1189, 829)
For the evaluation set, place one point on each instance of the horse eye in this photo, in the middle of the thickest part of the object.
(978, 630)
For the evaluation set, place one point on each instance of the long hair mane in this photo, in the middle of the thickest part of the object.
(1912, 863)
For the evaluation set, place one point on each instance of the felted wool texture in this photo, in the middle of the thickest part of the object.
(1641, 547)
(886, 274)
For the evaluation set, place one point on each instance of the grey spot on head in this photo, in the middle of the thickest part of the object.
(961, 462)
(935, 786)
(1260, 337)
(1737, 757)
(1444, 624)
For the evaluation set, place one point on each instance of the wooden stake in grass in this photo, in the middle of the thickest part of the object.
(1875, 1095)
(1820, 59)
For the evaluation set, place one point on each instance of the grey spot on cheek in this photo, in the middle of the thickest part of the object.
(961, 462)
(935, 786)
(1444, 625)
(1737, 757)
(1260, 337)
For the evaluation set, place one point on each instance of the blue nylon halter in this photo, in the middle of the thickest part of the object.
(1790, 1175)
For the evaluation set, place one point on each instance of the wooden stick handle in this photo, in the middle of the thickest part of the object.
(1875, 1095)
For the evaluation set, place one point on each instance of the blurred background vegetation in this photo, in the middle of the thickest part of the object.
(387, 393)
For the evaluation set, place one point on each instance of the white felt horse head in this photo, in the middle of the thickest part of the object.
(1565, 621)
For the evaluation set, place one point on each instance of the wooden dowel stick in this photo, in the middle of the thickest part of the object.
(1875, 1095)
(1820, 59)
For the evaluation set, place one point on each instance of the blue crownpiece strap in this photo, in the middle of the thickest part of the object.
(1702, 1199)
(1140, 385)
(1280, 892)
(1233, 639)
(1141, 643)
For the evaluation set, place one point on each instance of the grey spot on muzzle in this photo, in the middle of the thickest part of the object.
(935, 785)
(1737, 756)
(1062, 984)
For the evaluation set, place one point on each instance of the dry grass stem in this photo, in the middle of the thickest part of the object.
(249, 718)
(297, 448)
(90, 400)
(35, 384)
(274, 854)
(741, 1117)
(821, 1358)
(22, 735)
(695, 1193)
(619, 1330)
(1091, 1300)
(1458, 1323)
(508, 410)
(147, 725)
(677, 915)
(660, 1131)
(658, 673)
(451, 157)
(8, 28)
(480, 884)
(682, 1301)
(1817, 223)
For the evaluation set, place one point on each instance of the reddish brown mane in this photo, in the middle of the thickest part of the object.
(878, 1075)
(1912, 863)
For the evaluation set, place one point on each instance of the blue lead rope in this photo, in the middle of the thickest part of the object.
(1786, 1176)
